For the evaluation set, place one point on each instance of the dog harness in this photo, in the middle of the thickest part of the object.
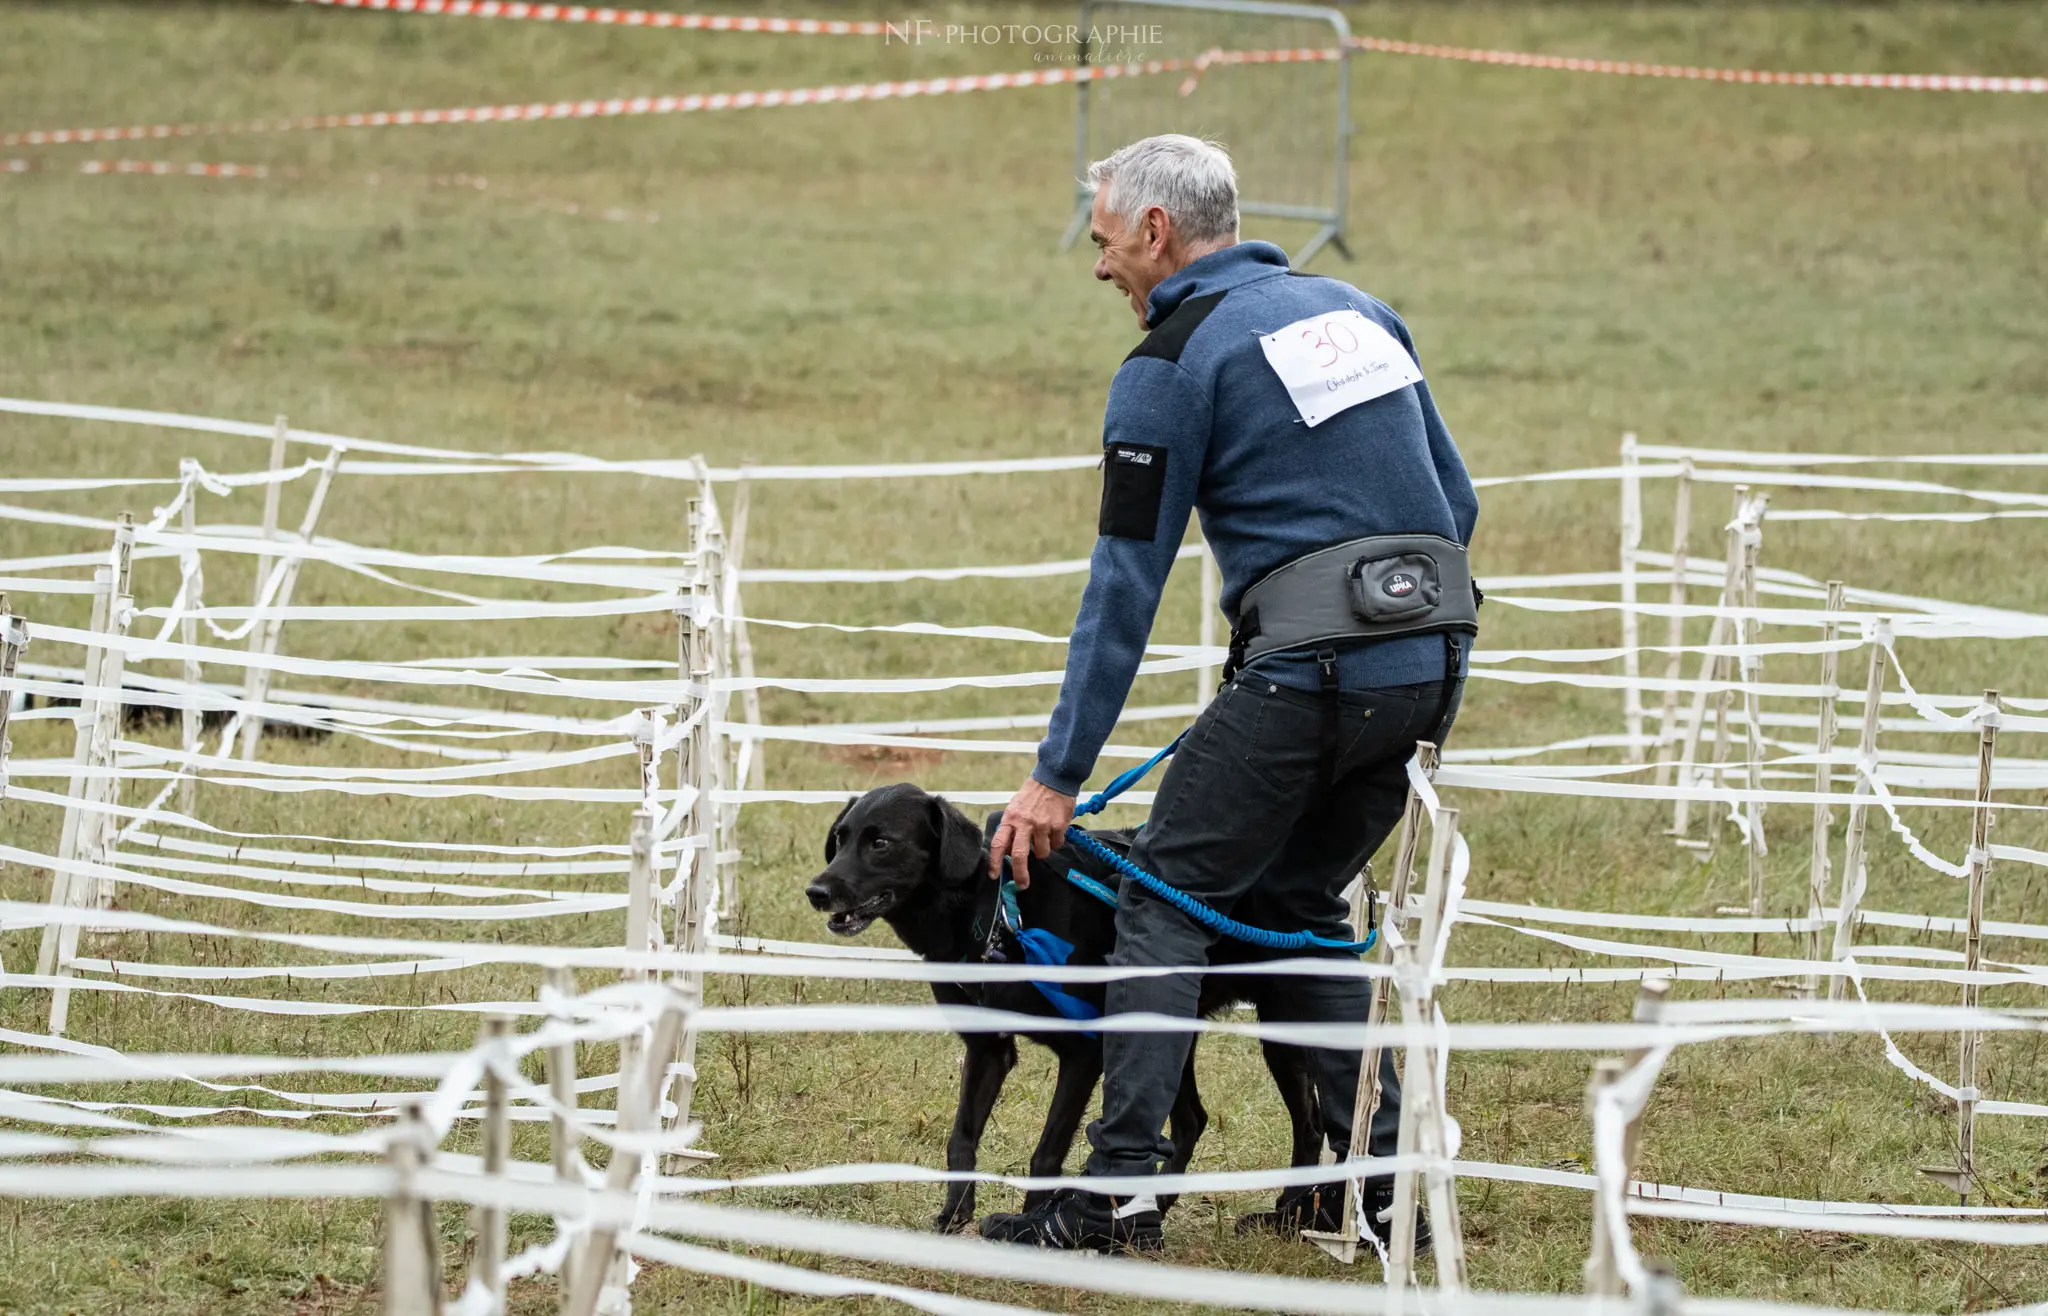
(1039, 945)
(1043, 947)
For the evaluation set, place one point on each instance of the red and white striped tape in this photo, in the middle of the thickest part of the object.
(159, 167)
(617, 106)
(642, 105)
(616, 17)
(1638, 69)
(1383, 45)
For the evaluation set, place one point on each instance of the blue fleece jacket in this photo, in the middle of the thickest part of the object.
(1198, 399)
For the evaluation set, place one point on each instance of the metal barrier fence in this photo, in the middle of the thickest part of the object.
(1285, 117)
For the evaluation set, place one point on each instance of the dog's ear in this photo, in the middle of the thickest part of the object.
(960, 853)
(832, 832)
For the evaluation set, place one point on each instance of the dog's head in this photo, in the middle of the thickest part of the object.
(884, 847)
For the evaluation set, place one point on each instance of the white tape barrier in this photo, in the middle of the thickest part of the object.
(469, 461)
(1746, 458)
(1939, 620)
(649, 693)
(939, 1019)
(447, 954)
(219, 1146)
(562, 907)
(918, 1250)
(170, 819)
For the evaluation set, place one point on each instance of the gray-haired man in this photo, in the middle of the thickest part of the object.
(1290, 413)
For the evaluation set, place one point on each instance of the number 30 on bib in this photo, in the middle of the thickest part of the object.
(1337, 360)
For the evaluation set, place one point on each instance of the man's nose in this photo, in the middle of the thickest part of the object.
(1102, 268)
(820, 894)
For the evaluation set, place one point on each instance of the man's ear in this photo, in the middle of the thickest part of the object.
(832, 832)
(960, 854)
(1157, 231)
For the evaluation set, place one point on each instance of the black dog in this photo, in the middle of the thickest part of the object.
(920, 865)
(140, 711)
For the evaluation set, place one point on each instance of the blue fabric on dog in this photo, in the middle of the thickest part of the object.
(1042, 947)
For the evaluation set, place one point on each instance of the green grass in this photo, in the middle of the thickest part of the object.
(1576, 255)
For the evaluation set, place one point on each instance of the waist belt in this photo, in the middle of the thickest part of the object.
(1375, 588)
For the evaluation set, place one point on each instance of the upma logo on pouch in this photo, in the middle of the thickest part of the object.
(1400, 585)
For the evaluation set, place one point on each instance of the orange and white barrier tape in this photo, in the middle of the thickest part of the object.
(1639, 69)
(615, 106)
(1210, 58)
(641, 105)
(617, 17)
(1382, 45)
(193, 169)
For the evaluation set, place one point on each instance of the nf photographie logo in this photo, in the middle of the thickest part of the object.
(1106, 43)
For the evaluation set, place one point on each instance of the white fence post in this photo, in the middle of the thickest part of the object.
(1343, 1245)
(1728, 671)
(96, 830)
(1853, 862)
(273, 493)
(641, 923)
(639, 1113)
(1603, 1278)
(1973, 943)
(716, 636)
(1752, 673)
(694, 909)
(1711, 669)
(412, 1250)
(1631, 635)
(1422, 1116)
(754, 748)
(13, 640)
(1674, 630)
(1963, 1177)
(192, 720)
(264, 634)
(1823, 782)
(490, 1222)
(564, 1143)
(640, 893)
(62, 879)
(87, 826)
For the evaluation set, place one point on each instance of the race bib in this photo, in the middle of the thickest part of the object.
(1336, 360)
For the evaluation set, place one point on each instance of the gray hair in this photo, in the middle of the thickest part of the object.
(1192, 180)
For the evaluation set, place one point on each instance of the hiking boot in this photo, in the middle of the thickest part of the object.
(1379, 1197)
(1074, 1220)
(1317, 1206)
(1320, 1207)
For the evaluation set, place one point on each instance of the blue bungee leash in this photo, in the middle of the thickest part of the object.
(1209, 917)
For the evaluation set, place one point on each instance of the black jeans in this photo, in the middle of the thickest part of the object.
(1250, 800)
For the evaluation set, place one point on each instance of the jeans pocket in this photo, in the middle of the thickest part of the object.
(1282, 743)
(1378, 724)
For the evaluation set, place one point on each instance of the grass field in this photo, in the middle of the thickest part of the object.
(1747, 267)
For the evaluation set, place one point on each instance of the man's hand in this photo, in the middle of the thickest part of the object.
(1033, 824)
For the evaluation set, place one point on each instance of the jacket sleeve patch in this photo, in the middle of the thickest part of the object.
(1133, 478)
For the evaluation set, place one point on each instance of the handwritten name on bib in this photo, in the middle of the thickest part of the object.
(1336, 360)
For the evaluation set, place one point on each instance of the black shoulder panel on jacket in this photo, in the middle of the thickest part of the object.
(1167, 341)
